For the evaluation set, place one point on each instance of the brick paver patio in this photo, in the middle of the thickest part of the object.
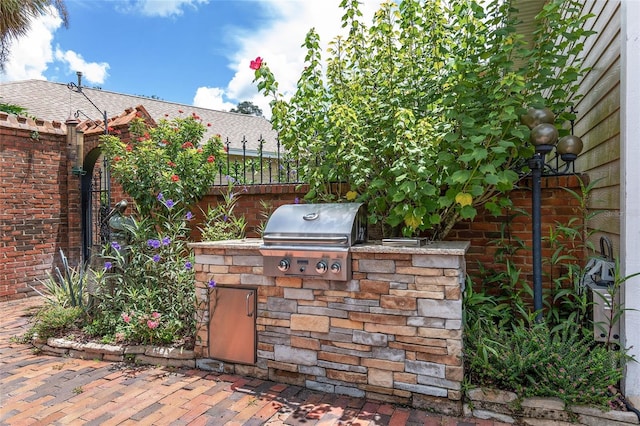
(48, 390)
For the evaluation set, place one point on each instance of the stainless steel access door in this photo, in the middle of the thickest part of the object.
(232, 328)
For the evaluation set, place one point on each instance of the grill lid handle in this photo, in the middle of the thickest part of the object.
(342, 239)
(311, 216)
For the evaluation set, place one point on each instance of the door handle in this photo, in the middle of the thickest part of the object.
(249, 310)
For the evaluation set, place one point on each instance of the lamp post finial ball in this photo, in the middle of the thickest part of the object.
(535, 116)
(544, 134)
(569, 147)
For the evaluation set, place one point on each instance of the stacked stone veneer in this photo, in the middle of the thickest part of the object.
(392, 333)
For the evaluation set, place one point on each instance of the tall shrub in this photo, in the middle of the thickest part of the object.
(147, 293)
(419, 112)
(169, 159)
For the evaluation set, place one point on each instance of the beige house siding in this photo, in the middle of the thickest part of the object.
(598, 117)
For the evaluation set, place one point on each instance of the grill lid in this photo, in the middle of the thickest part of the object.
(329, 224)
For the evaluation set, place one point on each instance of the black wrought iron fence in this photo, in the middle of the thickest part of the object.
(257, 167)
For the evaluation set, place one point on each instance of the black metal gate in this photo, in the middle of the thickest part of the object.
(95, 208)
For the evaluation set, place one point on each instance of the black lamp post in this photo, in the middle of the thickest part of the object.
(544, 138)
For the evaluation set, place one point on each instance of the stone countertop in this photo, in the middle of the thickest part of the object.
(454, 248)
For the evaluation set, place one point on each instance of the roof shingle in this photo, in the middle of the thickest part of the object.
(53, 101)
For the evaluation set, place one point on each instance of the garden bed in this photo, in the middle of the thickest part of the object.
(135, 354)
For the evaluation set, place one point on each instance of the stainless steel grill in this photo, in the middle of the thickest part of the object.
(313, 240)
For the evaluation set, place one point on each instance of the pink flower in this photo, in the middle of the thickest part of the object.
(126, 318)
(152, 324)
(256, 64)
(155, 315)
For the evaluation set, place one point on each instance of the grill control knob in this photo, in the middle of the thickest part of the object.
(284, 265)
(321, 267)
(335, 267)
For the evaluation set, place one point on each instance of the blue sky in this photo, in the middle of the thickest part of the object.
(195, 52)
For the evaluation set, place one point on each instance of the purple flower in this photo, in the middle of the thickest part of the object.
(189, 216)
(153, 243)
(212, 283)
(188, 265)
(166, 241)
(225, 218)
(156, 258)
(115, 245)
(296, 200)
(107, 266)
(160, 196)
(170, 203)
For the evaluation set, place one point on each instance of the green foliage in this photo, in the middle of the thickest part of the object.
(67, 287)
(54, 320)
(504, 345)
(168, 159)
(419, 112)
(570, 243)
(266, 210)
(536, 361)
(12, 109)
(221, 222)
(148, 291)
(613, 307)
(248, 108)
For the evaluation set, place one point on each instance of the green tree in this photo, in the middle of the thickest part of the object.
(419, 113)
(16, 17)
(12, 109)
(247, 107)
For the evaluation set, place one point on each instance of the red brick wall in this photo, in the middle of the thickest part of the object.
(39, 201)
(34, 211)
(557, 206)
(248, 204)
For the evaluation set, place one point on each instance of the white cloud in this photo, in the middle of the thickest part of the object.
(279, 44)
(278, 40)
(93, 72)
(160, 8)
(212, 98)
(30, 55)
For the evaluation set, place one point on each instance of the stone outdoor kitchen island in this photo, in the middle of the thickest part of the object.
(392, 333)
